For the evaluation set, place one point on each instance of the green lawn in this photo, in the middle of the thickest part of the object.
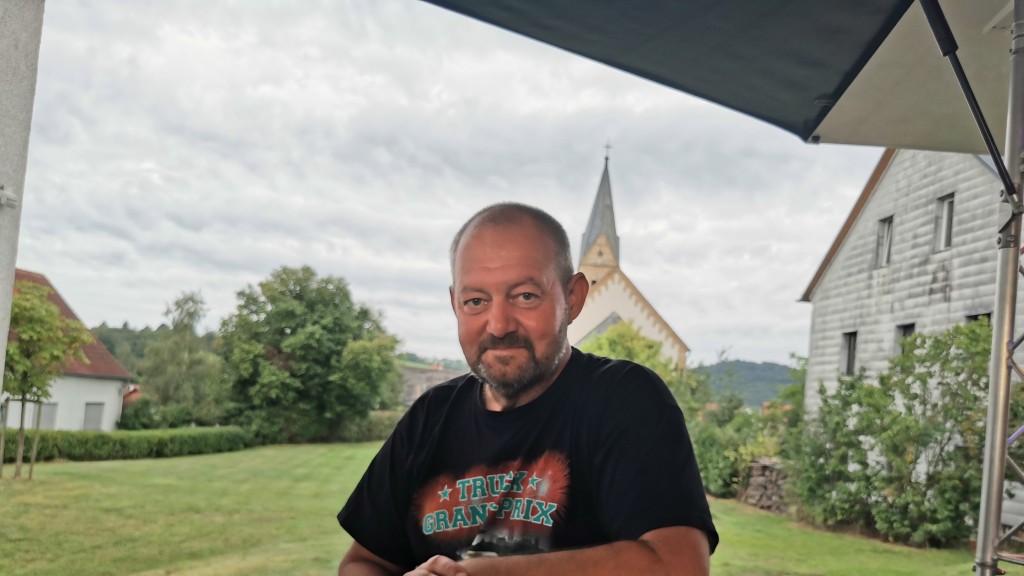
(271, 511)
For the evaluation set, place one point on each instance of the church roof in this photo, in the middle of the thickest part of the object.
(602, 218)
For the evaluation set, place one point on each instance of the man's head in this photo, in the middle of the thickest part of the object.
(514, 294)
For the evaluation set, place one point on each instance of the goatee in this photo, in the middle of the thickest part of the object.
(511, 386)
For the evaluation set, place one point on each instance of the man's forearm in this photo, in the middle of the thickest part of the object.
(626, 557)
(362, 569)
(669, 552)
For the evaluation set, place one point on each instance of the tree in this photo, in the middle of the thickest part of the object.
(41, 342)
(302, 358)
(179, 369)
(901, 454)
(127, 344)
(624, 341)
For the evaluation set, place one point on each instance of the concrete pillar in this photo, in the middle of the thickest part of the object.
(21, 26)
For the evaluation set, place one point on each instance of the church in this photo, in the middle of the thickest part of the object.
(613, 297)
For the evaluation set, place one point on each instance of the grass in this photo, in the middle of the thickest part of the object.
(756, 543)
(270, 511)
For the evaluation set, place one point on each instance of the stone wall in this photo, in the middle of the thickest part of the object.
(765, 485)
(419, 379)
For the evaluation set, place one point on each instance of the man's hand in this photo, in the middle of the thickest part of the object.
(671, 551)
(439, 566)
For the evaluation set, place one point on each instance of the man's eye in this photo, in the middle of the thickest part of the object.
(474, 302)
(528, 296)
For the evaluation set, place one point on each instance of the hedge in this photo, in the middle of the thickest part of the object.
(376, 426)
(129, 444)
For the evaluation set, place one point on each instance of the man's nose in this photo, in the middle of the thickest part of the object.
(501, 319)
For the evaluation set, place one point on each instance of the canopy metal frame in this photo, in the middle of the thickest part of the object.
(1001, 365)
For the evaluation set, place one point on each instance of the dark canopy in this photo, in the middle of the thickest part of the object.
(845, 71)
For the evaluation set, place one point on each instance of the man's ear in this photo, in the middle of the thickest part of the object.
(579, 287)
(451, 295)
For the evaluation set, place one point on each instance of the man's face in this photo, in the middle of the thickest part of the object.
(511, 307)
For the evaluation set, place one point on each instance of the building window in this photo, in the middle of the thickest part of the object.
(944, 223)
(48, 416)
(93, 416)
(883, 245)
(903, 331)
(849, 353)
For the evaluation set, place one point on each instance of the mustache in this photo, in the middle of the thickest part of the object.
(511, 340)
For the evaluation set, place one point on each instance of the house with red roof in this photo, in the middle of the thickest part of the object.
(88, 395)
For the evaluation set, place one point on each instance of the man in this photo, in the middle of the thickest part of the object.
(544, 460)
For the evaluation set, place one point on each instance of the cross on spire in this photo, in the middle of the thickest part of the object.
(607, 148)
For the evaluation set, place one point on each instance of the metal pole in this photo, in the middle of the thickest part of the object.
(21, 26)
(994, 467)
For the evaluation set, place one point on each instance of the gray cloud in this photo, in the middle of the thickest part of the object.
(198, 146)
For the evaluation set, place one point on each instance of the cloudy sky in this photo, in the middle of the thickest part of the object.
(194, 145)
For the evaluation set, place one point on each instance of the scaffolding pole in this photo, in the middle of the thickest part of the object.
(1001, 366)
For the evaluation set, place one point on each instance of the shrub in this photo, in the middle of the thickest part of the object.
(139, 415)
(376, 426)
(902, 457)
(127, 445)
(830, 476)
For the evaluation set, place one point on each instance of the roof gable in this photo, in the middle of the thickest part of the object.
(101, 363)
(644, 303)
(851, 219)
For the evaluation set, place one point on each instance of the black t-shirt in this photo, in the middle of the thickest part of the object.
(602, 455)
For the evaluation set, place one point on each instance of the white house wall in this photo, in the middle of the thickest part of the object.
(931, 289)
(615, 295)
(70, 394)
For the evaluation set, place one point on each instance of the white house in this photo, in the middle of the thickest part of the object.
(88, 395)
(613, 297)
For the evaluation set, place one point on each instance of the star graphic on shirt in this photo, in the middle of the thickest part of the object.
(534, 481)
(444, 493)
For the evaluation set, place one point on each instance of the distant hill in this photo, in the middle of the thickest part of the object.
(417, 361)
(755, 382)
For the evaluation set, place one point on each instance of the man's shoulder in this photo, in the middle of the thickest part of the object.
(601, 369)
(612, 379)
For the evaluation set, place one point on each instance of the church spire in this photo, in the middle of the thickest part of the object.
(600, 234)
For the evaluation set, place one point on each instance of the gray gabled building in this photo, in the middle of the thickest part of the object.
(916, 253)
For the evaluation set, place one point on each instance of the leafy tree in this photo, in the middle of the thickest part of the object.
(624, 341)
(291, 364)
(178, 367)
(929, 414)
(902, 455)
(42, 341)
(127, 344)
(832, 478)
(139, 415)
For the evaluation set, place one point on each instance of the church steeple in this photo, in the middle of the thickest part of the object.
(599, 252)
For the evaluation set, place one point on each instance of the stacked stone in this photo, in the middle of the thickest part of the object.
(765, 485)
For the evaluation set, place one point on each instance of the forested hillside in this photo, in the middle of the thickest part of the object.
(756, 382)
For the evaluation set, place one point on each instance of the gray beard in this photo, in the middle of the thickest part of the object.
(513, 387)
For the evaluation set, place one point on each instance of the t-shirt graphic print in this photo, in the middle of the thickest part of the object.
(495, 510)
